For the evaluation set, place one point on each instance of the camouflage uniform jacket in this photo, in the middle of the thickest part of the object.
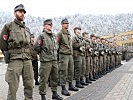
(46, 47)
(15, 38)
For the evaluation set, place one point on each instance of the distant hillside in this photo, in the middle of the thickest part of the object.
(100, 24)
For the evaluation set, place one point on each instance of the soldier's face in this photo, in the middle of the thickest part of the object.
(93, 38)
(77, 31)
(98, 40)
(65, 26)
(48, 27)
(86, 36)
(20, 15)
(103, 41)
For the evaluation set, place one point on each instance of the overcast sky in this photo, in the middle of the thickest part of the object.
(55, 8)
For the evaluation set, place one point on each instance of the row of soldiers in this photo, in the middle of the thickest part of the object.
(62, 58)
(99, 56)
(127, 53)
(83, 58)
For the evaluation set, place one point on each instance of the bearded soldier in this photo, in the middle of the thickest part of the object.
(15, 44)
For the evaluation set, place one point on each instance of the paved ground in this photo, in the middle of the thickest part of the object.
(116, 85)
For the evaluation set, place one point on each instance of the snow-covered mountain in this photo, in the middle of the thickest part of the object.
(98, 24)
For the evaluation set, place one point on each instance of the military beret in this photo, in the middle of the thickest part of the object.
(48, 22)
(20, 7)
(77, 28)
(64, 21)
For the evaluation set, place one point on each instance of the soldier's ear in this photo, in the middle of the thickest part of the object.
(15, 14)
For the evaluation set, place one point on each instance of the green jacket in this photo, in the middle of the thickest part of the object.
(100, 48)
(77, 43)
(47, 48)
(95, 48)
(88, 48)
(15, 38)
(65, 43)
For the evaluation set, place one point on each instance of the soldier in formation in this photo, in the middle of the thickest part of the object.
(79, 58)
(46, 47)
(15, 45)
(66, 64)
(63, 58)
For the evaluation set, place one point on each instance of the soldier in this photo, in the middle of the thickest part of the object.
(100, 57)
(105, 57)
(47, 50)
(116, 55)
(109, 55)
(112, 55)
(34, 60)
(95, 56)
(15, 39)
(120, 55)
(91, 77)
(88, 52)
(79, 58)
(66, 64)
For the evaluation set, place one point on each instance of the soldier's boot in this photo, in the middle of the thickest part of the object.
(55, 96)
(78, 85)
(65, 91)
(43, 97)
(88, 80)
(107, 69)
(82, 82)
(36, 82)
(103, 71)
(71, 87)
(91, 77)
(99, 74)
(94, 75)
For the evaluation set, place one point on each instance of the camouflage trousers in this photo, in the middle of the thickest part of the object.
(66, 68)
(35, 69)
(47, 70)
(95, 64)
(105, 62)
(14, 70)
(119, 59)
(116, 60)
(112, 60)
(88, 66)
(83, 67)
(101, 65)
